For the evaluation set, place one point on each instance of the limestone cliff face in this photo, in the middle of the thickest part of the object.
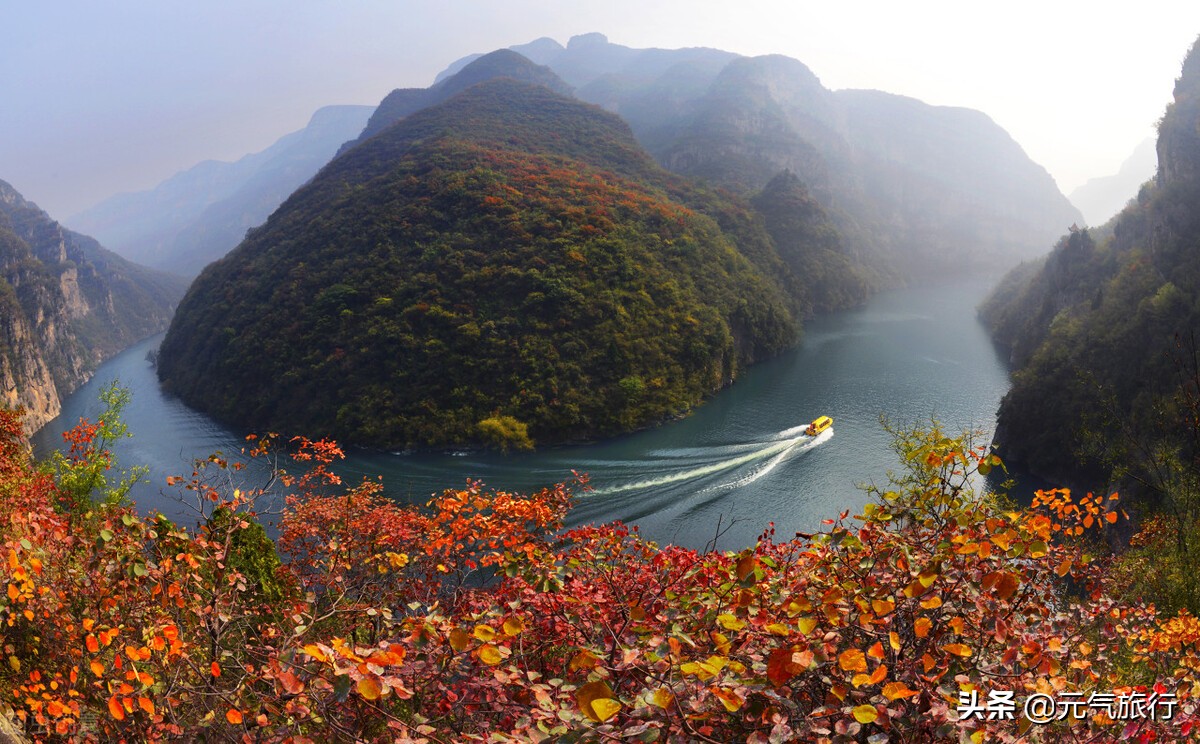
(66, 304)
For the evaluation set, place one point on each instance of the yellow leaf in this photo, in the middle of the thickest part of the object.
(490, 655)
(485, 632)
(315, 652)
(778, 629)
(662, 697)
(587, 696)
(605, 708)
(729, 622)
(894, 640)
(513, 625)
(882, 607)
(865, 713)
(369, 687)
(927, 578)
(931, 603)
(807, 624)
(459, 639)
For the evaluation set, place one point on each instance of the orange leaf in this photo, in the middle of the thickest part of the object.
(1065, 567)
(781, 665)
(922, 626)
(315, 652)
(958, 649)
(97, 668)
(1111, 517)
(896, 690)
(852, 660)
(146, 704)
(234, 716)
(745, 566)
(115, 709)
(730, 699)
(92, 644)
(876, 651)
(879, 674)
(215, 668)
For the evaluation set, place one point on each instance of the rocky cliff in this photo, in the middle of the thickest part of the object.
(66, 304)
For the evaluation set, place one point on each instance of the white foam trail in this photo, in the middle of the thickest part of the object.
(779, 447)
(794, 450)
(792, 432)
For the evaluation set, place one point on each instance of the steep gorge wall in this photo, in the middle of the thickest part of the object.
(66, 304)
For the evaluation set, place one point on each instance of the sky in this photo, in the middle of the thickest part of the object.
(102, 98)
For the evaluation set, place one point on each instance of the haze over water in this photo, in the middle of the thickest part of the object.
(740, 459)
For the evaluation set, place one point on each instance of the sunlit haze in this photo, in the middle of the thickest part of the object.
(100, 98)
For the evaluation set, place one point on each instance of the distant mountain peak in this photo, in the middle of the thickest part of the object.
(502, 63)
(583, 41)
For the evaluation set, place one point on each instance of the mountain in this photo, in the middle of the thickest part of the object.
(66, 304)
(197, 216)
(506, 263)
(914, 189)
(500, 63)
(1102, 331)
(1101, 198)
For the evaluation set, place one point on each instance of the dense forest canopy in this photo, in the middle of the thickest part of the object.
(508, 255)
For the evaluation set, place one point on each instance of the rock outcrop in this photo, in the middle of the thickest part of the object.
(66, 304)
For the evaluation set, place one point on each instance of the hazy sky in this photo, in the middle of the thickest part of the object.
(102, 97)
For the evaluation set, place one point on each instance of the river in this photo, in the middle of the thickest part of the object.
(740, 460)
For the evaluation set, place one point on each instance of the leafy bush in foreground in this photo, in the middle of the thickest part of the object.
(478, 618)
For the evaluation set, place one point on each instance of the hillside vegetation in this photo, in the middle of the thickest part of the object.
(478, 618)
(1102, 332)
(507, 261)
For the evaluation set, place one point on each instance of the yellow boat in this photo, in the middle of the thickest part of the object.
(818, 425)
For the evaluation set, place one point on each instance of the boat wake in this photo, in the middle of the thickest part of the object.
(779, 448)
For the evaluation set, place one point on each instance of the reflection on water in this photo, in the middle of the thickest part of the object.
(741, 458)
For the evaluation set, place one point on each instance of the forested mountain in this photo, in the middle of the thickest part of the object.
(65, 305)
(1103, 331)
(507, 258)
(197, 216)
(913, 188)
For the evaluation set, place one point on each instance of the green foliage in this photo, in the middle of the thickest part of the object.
(89, 471)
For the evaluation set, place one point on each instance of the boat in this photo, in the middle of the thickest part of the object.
(819, 424)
